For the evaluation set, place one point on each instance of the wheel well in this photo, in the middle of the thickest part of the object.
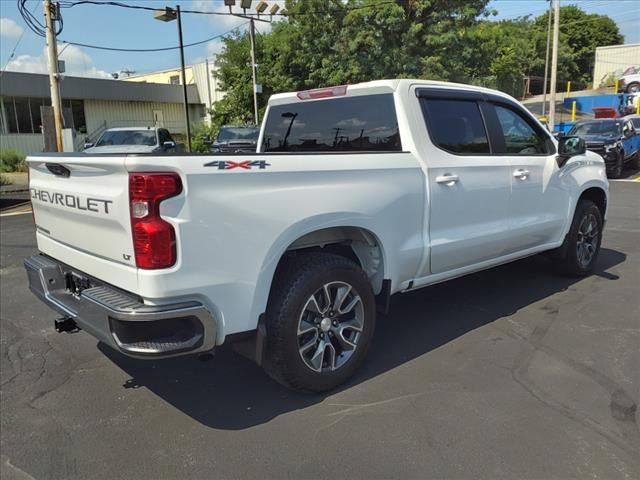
(597, 196)
(354, 243)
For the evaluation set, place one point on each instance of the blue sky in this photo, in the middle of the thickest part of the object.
(126, 28)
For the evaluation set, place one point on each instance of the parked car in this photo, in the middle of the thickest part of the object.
(629, 83)
(615, 140)
(355, 193)
(236, 138)
(132, 140)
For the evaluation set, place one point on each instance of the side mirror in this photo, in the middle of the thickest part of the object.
(168, 145)
(87, 145)
(570, 147)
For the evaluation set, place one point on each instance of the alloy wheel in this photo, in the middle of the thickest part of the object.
(330, 326)
(588, 237)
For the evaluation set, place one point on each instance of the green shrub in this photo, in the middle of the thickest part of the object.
(12, 161)
(200, 132)
(5, 180)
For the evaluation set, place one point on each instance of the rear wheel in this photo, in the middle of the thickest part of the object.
(320, 321)
(578, 254)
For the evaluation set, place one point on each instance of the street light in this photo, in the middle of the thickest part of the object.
(261, 6)
(168, 15)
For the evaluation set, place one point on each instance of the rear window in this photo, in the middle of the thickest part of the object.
(457, 126)
(127, 137)
(227, 134)
(363, 123)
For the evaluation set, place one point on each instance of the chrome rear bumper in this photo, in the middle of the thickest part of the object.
(120, 319)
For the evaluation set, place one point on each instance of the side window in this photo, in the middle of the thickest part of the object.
(519, 136)
(456, 126)
(627, 130)
(636, 124)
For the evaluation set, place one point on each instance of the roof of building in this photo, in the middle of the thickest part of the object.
(623, 45)
(20, 84)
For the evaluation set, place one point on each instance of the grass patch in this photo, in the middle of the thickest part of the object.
(5, 180)
(12, 161)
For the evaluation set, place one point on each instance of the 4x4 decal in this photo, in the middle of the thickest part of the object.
(245, 165)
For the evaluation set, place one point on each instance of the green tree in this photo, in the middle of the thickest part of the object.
(332, 42)
(581, 33)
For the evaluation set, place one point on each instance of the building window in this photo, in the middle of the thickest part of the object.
(174, 79)
(22, 114)
(77, 110)
(10, 115)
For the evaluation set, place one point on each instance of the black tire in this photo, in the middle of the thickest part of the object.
(633, 87)
(303, 276)
(616, 170)
(566, 258)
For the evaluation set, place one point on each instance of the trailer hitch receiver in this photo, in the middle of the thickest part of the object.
(66, 324)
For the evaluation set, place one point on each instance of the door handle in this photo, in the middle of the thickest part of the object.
(447, 179)
(521, 174)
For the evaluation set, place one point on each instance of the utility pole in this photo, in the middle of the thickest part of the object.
(254, 73)
(54, 76)
(546, 62)
(554, 65)
(184, 79)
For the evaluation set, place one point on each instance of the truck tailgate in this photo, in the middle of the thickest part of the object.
(81, 210)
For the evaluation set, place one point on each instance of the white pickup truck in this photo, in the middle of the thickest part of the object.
(356, 192)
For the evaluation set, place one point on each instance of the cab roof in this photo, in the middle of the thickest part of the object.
(373, 87)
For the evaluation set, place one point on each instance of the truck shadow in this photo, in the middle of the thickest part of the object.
(232, 393)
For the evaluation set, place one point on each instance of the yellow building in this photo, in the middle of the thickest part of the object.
(172, 76)
(203, 75)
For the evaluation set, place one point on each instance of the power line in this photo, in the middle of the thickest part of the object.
(161, 49)
(34, 24)
(13, 52)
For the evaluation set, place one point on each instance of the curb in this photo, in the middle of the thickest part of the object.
(14, 190)
(12, 208)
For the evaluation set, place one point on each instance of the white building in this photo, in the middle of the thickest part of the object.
(614, 60)
(94, 104)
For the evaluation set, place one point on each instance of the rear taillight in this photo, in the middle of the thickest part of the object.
(154, 240)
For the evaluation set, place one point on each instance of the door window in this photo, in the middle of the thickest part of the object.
(456, 126)
(627, 130)
(519, 135)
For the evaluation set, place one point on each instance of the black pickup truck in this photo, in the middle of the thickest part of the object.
(236, 139)
(614, 139)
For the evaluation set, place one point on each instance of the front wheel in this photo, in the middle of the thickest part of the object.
(633, 87)
(320, 321)
(616, 169)
(578, 254)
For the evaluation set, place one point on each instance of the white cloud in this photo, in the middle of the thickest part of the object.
(351, 123)
(77, 63)
(214, 47)
(225, 22)
(9, 28)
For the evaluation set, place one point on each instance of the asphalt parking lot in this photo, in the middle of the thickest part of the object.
(509, 373)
